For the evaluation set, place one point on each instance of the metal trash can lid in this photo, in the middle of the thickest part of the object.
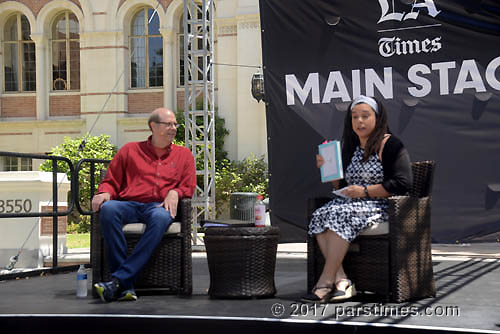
(244, 194)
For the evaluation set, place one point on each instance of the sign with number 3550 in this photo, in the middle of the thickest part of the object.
(15, 205)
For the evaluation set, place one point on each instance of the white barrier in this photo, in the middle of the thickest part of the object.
(30, 192)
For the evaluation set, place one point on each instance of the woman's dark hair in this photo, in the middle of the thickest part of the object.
(350, 140)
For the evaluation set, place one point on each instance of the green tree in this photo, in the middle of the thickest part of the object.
(220, 135)
(96, 147)
(254, 175)
(248, 175)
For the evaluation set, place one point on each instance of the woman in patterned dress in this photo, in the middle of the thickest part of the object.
(376, 166)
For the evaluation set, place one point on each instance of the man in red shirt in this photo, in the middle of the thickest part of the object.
(144, 183)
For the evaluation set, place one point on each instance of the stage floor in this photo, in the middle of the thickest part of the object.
(468, 299)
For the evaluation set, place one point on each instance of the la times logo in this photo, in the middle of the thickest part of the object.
(386, 14)
(390, 46)
(454, 76)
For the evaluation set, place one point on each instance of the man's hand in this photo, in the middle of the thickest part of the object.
(170, 202)
(98, 199)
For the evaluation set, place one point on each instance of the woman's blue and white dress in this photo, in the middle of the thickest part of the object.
(349, 216)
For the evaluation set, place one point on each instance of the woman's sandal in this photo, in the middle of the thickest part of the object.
(311, 297)
(341, 295)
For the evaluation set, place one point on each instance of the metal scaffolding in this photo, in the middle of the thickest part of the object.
(199, 109)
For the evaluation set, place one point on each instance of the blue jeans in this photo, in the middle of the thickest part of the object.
(115, 214)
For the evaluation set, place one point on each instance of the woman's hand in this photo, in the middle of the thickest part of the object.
(319, 160)
(354, 191)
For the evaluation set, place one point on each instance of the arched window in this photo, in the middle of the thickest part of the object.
(146, 50)
(65, 52)
(19, 55)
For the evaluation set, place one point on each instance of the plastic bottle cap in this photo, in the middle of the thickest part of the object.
(260, 197)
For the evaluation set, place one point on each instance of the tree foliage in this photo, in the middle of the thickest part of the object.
(248, 175)
(96, 147)
(220, 135)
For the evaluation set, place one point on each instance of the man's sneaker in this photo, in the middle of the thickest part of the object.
(128, 295)
(107, 291)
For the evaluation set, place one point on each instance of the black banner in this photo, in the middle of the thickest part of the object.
(435, 64)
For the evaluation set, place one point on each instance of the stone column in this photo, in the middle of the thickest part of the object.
(227, 81)
(251, 126)
(42, 76)
(169, 77)
(103, 82)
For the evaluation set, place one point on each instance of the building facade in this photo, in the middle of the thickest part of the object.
(68, 67)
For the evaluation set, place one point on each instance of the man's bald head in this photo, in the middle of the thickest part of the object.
(158, 114)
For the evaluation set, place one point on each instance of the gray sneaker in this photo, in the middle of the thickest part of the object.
(108, 291)
(128, 295)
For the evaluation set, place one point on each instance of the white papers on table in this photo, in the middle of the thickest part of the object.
(338, 192)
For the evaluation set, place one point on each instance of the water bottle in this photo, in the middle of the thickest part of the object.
(260, 212)
(81, 282)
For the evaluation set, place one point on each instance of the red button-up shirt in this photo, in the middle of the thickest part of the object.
(136, 173)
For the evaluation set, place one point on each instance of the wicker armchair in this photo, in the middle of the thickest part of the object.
(397, 264)
(169, 269)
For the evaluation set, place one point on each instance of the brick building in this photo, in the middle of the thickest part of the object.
(72, 66)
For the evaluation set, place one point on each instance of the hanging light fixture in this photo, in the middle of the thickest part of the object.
(258, 86)
(332, 20)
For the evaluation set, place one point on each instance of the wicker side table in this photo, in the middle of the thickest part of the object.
(241, 261)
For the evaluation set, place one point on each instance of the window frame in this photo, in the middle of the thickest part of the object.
(19, 43)
(146, 37)
(20, 163)
(180, 53)
(68, 42)
(180, 57)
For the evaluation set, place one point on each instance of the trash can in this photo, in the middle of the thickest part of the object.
(241, 206)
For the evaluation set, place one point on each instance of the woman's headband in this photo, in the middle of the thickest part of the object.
(365, 99)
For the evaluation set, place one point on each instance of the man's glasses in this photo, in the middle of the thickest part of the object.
(169, 124)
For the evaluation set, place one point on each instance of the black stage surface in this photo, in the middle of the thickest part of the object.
(468, 300)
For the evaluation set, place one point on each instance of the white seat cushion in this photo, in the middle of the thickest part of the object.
(175, 227)
(376, 229)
